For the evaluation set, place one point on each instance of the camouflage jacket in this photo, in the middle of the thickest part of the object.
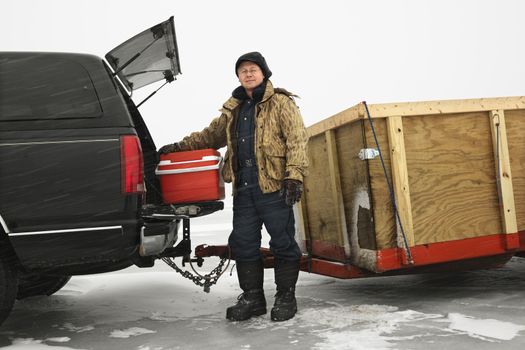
(280, 139)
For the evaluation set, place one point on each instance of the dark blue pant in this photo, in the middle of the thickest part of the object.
(252, 209)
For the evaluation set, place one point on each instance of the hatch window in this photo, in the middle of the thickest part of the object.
(39, 88)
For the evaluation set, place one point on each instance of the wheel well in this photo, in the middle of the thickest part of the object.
(6, 249)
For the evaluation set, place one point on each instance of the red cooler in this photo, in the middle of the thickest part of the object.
(192, 176)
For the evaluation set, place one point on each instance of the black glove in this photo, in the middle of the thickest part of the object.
(173, 147)
(291, 190)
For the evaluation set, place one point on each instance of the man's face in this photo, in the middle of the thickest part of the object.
(250, 75)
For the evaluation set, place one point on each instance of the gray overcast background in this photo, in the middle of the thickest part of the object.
(331, 53)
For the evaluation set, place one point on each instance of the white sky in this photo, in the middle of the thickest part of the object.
(333, 54)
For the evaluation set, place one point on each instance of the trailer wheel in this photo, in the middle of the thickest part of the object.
(33, 285)
(8, 286)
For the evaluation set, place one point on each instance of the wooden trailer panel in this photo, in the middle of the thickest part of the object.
(452, 177)
(449, 165)
(515, 122)
(337, 206)
(355, 187)
(321, 211)
(385, 225)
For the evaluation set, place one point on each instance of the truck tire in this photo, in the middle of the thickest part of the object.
(8, 286)
(33, 285)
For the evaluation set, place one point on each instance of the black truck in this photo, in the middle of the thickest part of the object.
(78, 191)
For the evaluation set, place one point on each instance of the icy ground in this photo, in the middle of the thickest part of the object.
(153, 309)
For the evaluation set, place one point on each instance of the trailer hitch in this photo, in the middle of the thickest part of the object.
(183, 249)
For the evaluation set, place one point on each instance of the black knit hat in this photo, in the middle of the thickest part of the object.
(256, 58)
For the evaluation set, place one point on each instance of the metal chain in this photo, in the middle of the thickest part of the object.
(205, 281)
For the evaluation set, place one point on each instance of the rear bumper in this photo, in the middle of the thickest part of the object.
(155, 236)
(109, 246)
(161, 224)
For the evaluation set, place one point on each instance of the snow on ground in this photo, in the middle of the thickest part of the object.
(156, 309)
(133, 331)
(484, 328)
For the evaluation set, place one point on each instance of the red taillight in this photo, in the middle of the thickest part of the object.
(132, 164)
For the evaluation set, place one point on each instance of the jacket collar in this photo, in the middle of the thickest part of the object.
(268, 92)
(233, 102)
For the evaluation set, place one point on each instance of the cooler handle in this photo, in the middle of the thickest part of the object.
(188, 170)
(204, 159)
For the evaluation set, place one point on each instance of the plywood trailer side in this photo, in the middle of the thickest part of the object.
(452, 176)
(448, 165)
(322, 225)
(515, 125)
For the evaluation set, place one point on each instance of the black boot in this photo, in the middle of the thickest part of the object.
(286, 274)
(252, 301)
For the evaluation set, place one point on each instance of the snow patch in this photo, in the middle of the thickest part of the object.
(33, 344)
(133, 331)
(362, 340)
(72, 328)
(484, 327)
(158, 316)
(59, 339)
(358, 327)
(145, 347)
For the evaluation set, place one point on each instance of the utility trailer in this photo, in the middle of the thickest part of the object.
(413, 187)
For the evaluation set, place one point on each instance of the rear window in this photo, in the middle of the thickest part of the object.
(40, 88)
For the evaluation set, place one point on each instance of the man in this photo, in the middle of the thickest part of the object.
(266, 161)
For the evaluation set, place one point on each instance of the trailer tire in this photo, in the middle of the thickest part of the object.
(8, 286)
(34, 285)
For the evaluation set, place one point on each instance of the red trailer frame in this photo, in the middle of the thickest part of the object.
(466, 254)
